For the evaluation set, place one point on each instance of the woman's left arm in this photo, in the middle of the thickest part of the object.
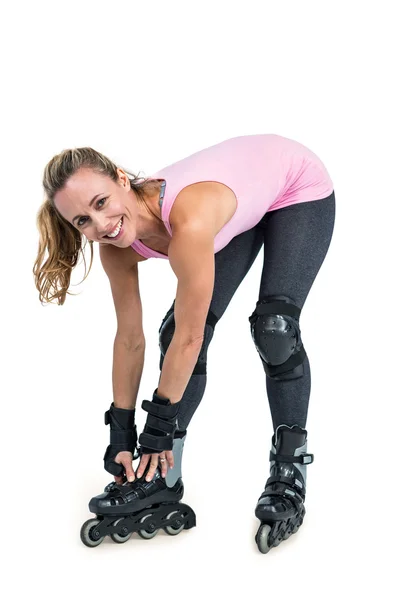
(191, 256)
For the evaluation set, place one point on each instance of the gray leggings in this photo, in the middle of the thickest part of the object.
(295, 239)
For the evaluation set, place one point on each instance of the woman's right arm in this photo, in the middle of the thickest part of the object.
(120, 265)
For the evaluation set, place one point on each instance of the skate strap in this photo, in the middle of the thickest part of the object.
(282, 486)
(304, 459)
(280, 479)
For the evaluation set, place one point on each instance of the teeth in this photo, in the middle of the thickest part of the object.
(116, 230)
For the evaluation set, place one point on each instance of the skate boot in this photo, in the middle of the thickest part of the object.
(280, 507)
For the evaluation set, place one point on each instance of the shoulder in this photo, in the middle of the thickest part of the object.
(200, 204)
(118, 259)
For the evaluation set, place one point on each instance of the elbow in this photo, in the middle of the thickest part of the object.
(190, 340)
(131, 343)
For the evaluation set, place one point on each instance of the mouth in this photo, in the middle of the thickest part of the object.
(117, 228)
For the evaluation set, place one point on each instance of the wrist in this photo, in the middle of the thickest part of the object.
(164, 396)
(161, 423)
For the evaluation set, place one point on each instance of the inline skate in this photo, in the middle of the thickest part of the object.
(141, 506)
(280, 507)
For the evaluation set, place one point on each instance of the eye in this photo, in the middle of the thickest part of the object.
(79, 223)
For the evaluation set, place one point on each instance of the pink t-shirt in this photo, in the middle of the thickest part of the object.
(265, 172)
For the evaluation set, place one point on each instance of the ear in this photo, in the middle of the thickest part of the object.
(123, 178)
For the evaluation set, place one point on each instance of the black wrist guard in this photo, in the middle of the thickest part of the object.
(123, 437)
(161, 423)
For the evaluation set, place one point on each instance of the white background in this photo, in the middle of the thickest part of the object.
(148, 83)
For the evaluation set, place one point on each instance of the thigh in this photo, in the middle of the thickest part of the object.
(296, 240)
(232, 264)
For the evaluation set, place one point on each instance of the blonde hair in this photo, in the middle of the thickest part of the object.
(60, 238)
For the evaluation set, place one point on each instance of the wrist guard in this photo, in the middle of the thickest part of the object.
(161, 423)
(123, 437)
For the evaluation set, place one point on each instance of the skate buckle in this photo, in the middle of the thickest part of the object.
(303, 459)
(307, 459)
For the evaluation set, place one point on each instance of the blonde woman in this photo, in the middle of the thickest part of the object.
(208, 215)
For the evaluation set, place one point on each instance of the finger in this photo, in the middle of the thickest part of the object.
(124, 458)
(129, 472)
(143, 464)
(153, 467)
(164, 465)
(170, 458)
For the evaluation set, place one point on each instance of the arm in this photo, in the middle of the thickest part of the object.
(128, 361)
(129, 348)
(129, 345)
(191, 255)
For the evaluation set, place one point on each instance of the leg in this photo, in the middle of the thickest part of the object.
(232, 263)
(296, 241)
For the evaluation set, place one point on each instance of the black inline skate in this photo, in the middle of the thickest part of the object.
(142, 506)
(280, 507)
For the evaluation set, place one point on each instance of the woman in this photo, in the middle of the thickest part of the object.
(208, 214)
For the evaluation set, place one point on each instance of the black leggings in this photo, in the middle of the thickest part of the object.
(296, 239)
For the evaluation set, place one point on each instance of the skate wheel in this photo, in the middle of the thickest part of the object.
(288, 533)
(87, 536)
(173, 529)
(262, 538)
(120, 538)
(150, 531)
(295, 528)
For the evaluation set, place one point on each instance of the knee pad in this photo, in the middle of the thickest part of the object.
(276, 334)
(166, 333)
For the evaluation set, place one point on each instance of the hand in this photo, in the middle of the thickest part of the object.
(125, 459)
(154, 458)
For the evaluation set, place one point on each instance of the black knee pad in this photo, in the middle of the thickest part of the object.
(166, 332)
(276, 334)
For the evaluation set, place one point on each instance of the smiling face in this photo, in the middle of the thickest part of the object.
(95, 205)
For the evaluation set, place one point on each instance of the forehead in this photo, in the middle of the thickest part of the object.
(84, 182)
(79, 190)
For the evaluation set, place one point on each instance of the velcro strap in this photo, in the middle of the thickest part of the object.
(160, 424)
(282, 486)
(285, 492)
(304, 459)
(294, 361)
(119, 418)
(121, 436)
(155, 443)
(161, 410)
(278, 307)
(279, 479)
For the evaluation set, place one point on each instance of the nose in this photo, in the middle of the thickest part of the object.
(101, 227)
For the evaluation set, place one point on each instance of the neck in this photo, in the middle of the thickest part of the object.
(149, 221)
